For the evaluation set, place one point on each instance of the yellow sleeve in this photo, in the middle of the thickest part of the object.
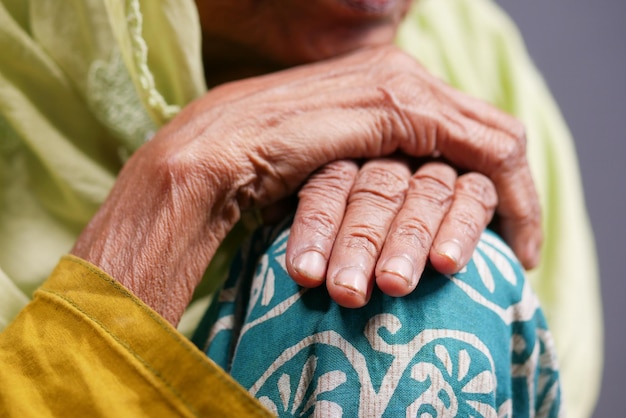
(85, 346)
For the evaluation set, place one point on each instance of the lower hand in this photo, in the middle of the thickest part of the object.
(382, 224)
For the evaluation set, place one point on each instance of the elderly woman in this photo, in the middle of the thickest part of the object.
(297, 88)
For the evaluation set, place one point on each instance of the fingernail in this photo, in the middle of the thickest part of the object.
(352, 278)
(311, 265)
(400, 267)
(450, 249)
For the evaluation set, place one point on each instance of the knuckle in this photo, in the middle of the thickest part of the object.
(320, 222)
(511, 125)
(468, 224)
(388, 170)
(380, 186)
(364, 239)
(478, 188)
(431, 189)
(504, 148)
(519, 131)
(333, 179)
(340, 171)
(511, 150)
(416, 232)
(507, 153)
(438, 170)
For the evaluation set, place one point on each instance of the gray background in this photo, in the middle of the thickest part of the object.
(580, 47)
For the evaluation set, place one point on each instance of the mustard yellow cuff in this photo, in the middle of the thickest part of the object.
(86, 345)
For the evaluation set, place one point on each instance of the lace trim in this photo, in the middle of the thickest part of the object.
(140, 57)
(113, 99)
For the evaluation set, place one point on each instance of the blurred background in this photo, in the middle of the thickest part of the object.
(580, 47)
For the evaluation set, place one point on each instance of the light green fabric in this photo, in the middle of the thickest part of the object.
(83, 83)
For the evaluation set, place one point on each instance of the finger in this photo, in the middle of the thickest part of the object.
(502, 157)
(408, 243)
(520, 219)
(321, 207)
(375, 199)
(473, 206)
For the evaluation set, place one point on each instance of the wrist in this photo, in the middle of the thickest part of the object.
(159, 228)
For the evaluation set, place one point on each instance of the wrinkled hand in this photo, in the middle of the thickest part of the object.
(353, 225)
(249, 143)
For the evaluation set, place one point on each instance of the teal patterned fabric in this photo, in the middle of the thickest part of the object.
(472, 344)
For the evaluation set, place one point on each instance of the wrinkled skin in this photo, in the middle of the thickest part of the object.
(390, 223)
(250, 143)
(344, 234)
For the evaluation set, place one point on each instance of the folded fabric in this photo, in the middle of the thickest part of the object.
(471, 344)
